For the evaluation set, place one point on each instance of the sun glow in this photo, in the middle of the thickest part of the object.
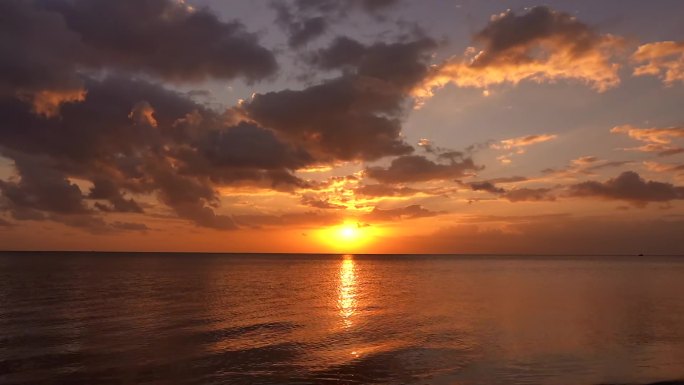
(349, 236)
(349, 233)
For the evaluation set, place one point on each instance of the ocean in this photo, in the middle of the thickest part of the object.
(138, 318)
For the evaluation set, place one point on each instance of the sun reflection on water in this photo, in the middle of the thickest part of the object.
(346, 300)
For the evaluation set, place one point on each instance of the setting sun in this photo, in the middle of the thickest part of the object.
(349, 232)
(348, 236)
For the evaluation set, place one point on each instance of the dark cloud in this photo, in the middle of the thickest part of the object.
(628, 186)
(35, 42)
(41, 189)
(486, 186)
(401, 65)
(509, 179)
(417, 168)
(541, 45)
(108, 190)
(356, 116)
(334, 120)
(182, 157)
(130, 138)
(384, 190)
(73, 116)
(402, 213)
(191, 197)
(247, 145)
(312, 201)
(523, 194)
(301, 29)
(164, 38)
(306, 20)
(343, 6)
(609, 164)
(48, 46)
(529, 195)
(508, 32)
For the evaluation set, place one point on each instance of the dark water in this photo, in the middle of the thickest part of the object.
(201, 319)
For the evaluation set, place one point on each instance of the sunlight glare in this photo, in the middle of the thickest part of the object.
(346, 301)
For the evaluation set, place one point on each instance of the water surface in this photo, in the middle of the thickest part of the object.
(91, 318)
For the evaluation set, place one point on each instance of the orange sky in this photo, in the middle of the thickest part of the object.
(534, 130)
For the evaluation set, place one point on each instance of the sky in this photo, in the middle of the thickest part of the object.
(358, 126)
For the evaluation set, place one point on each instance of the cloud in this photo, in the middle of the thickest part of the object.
(250, 146)
(522, 141)
(417, 168)
(516, 146)
(356, 116)
(181, 158)
(40, 189)
(523, 194)
(655, 139)
(630, 187)
(509, 179)
(530, 195)
(401, 65)
(143, 113)
(585, 165)
(47, 47)
(312, 201)
(49, 102)
(105, 189)
(384, 190)
(163, 38)
(664, 59)
(663, 167)
(301, 29)
(72, 111)
(306, 20)
(486, 186)
(402, 213)
(541, 45)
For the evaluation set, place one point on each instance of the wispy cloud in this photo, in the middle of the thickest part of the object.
(517, 146)
(655, 139)
(664, 59)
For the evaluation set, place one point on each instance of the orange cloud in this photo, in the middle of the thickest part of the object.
(542, 45)
(49, 102)
(654, 139)
(143, 113)
(517, 145)
(663, 167)
(664, 59)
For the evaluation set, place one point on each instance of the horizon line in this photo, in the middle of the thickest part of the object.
(342, 253)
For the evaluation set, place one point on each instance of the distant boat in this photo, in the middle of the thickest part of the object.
(641, 255)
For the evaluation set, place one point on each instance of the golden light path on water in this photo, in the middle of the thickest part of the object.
(346, 300)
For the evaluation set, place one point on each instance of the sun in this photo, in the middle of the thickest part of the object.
(348, 236)
(349, 232)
